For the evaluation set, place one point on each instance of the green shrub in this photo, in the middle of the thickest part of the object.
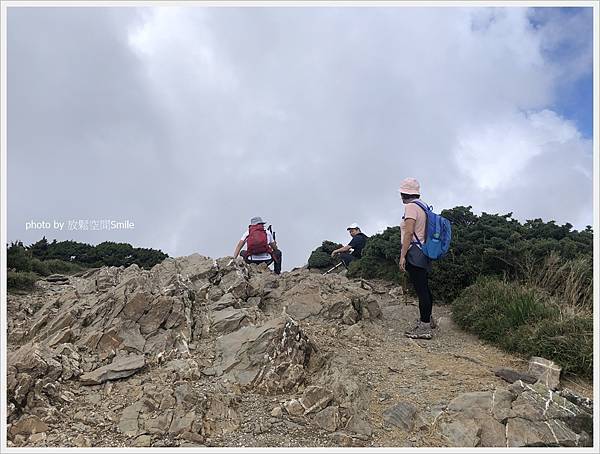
(39, 267)
(70, 256)
(20, 280)
(490, 245)
(17, 257)
(60, 266)
(526, 320)
(568, 341)
(321, 256)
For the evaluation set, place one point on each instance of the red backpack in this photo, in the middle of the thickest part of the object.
(256, 242)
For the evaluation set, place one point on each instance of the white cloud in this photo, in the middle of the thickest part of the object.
(309, 117)
(493, 155)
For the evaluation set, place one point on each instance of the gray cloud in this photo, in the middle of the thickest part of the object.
(189, 121)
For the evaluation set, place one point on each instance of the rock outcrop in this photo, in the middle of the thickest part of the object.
(203, 352)
(109, 324)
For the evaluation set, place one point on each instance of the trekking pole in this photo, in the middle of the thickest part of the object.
(329, 271)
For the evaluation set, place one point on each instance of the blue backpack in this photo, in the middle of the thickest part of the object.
(438, 234)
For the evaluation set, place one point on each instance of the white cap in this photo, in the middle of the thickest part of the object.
(354, 225)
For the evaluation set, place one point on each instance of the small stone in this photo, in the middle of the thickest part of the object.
(192, 437)
(82, 442)
(511, 376)
(294, 407)
(28, 425)
(277, 412)
(315, 398)
(143, 441)
(328, 419)
(402, 415)
(37, 438)
(358, 425)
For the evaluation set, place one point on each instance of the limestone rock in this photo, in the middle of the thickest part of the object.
(358, 425)
(128, 424)
(28, 425)
(294, 407)
(492, 434)
(328, 419)
(402, 415)
(461, 433)
(547, 372)
(121, 367)
(315, 398)
(57, 278)
(227, 300)
(525, 433)
(182, 422)
(228, 320)
(511, 376)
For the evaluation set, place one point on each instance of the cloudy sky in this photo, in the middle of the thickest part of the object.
(188, 121)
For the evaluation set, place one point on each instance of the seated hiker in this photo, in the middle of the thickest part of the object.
(358, 242)
(260, 245)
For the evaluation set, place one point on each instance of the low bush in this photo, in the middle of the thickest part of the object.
(526, 320)
(321, 256)
(60, 266)
(20, 280)
(39, 267)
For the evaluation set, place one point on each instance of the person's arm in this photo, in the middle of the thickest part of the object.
(409, 230)
(273, 245)
(238, 248)
(342, 249)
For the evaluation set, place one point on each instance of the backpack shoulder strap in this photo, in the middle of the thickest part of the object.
(426, 209)
(422, 205)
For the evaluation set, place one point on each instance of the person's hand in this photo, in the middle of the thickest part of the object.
(402, 264)
(333, 253)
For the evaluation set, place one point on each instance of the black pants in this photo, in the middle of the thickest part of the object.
(347, 258)
(418, 276)
(276, 257)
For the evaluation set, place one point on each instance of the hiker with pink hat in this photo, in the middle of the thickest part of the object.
(412, 258)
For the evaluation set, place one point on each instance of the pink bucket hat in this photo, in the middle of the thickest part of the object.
(410, 186)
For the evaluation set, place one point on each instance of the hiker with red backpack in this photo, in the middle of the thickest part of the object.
(260, 245)
(425, 236)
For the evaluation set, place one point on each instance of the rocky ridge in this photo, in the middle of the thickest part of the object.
(203, 352)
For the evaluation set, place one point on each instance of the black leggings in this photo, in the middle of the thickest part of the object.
(418, 277)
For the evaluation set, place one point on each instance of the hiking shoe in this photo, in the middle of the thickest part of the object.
(433, 323)
(422, 331)
(414, 326)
